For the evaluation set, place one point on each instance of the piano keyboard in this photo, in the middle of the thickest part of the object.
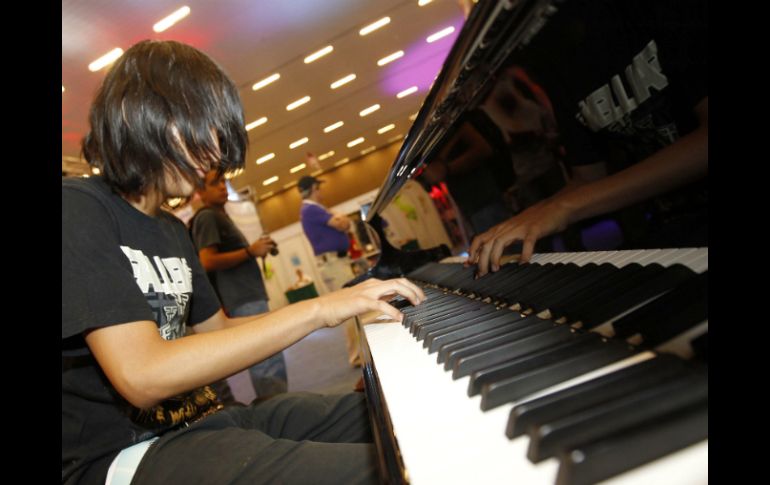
(576, 368)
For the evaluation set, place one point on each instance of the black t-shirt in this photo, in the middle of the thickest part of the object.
(239, 284)
(118, 266)
(624, 77)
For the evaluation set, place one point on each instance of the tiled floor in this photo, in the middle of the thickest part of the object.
(317, 363)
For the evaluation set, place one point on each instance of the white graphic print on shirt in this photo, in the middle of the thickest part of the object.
(167, 285)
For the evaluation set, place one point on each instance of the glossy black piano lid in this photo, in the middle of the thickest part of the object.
(497, 132)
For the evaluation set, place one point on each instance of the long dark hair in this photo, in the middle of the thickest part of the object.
(157, 95)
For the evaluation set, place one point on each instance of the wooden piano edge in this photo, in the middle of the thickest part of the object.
(391, 464)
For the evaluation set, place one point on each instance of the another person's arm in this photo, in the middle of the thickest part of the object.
(213, 260)
(136, 359)
(677, 164)
(339, 222)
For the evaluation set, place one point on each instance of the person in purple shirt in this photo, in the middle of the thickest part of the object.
(327, 233)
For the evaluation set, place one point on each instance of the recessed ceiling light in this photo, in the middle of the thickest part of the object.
(265, 158)
(407, 92)
(390, 58)
(269, 79)
(325, 155)
(374, 26)
(371, 109)
(96, 171)
(333, 126)
(297, 103)
(290, 185)
(297, 168)
(355, 142)
(423, 2)
(256, 123)
(318, 54)
(271, 180)
(368, 150)
(62, 88)
(440, 34)
(298, 143)
(265, 196)
(413, 116)
(341, 162)
(395, 138)
(343, 81)
(317, 172)
(385, 129)
(171, 19)
(106, 59)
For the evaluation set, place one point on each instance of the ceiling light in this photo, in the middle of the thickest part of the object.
(96, 171)
(290, 185)
(298, 143)
(265, 158)
(317, 54)
(106, 59)
(269, 79)
(269, 181)
(374, 26)
(325, 155)
(395, 138)
(62, 88)
(298, 103)
(407, 92)
(368, 150)
(355, 142)
(385, 129)
(333, 126)
(171, 19)
(256, 123)
(413, 116)
(317, 172)
(422, 3)
(297, 168)
(390, 58)
(341, 162)
(440, 34)
(265, 196)
(369, 110)
(343, 81)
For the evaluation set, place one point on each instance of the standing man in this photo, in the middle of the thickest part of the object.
(229, 261)
(327, 234)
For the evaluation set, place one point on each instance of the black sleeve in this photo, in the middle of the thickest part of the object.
(205, 230)
(98, 287)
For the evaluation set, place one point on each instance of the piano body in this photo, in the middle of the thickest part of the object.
(589, 364)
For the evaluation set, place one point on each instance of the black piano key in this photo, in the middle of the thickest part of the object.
(486, 285)
(566, 401)
(462, 316)
(511, 291)
(434, 340)
(635, 409)
(614, 284)
(450, 352)
(598, 313)
(478, 361)
(551, 283)
(593, 462)
(529, 359)
(449, 307)
(518, 386)
(591, 279)
(669, 315)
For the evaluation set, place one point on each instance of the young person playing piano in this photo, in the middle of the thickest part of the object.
(135, 400)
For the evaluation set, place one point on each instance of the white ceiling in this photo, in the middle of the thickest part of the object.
(252, 39)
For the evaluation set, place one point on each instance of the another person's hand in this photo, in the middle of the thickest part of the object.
(262, 246)
(542, 219)
(370, 295)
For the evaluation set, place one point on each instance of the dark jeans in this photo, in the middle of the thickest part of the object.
(295, 438)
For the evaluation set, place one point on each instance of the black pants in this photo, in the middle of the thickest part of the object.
(295, 438)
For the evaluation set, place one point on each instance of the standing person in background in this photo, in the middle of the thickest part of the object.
(136, 405)
(229, 261)
(328, 236)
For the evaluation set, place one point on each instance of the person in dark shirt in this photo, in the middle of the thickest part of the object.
(136, 405)
(229, 261)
